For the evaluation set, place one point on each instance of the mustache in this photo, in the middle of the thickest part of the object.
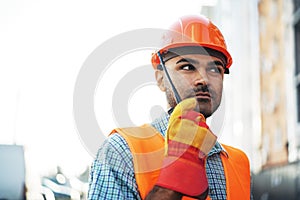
(199, 88)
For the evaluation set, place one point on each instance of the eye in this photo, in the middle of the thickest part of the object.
(216, 68)
(187, 67)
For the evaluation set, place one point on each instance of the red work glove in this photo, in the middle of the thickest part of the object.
(188, 141)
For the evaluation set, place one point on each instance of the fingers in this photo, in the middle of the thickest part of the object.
(197, 117)
(188, 104)
(183, 107)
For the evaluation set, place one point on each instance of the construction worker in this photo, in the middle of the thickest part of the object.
(177, 156)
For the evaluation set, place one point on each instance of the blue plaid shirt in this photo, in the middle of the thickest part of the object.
(112, 173)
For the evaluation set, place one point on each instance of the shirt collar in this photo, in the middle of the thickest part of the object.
(161, 124)
(218, 149)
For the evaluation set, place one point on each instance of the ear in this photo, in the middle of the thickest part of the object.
(159, 76)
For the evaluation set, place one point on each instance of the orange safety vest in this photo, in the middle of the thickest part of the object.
(147, 147)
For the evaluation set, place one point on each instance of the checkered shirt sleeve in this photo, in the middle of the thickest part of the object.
(112, 174)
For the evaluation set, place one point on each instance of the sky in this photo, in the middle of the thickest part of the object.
(43, 46)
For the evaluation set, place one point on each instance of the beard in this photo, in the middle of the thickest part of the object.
(170, 98)
(205, 106)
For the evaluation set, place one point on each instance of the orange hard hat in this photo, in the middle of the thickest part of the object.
(194, 30)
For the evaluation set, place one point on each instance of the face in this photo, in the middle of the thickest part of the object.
(194, 75)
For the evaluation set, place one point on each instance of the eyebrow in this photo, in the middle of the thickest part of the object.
(217, 62)
(194, 61)
(189, 60)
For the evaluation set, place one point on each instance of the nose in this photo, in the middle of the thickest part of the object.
(200, 78)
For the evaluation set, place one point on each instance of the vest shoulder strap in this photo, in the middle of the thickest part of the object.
(147, 147)
(237, 171)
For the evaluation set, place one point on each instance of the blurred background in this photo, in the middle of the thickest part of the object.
(43, 45)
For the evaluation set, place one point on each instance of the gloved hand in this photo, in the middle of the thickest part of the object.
(188, 141)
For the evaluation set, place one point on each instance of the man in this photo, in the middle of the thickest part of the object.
(177, 156)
